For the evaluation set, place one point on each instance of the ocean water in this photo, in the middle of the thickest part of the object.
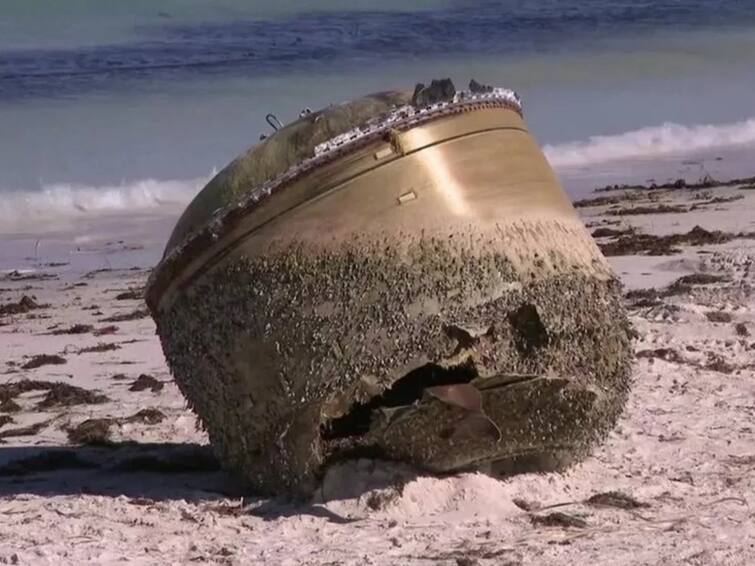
(115, 106)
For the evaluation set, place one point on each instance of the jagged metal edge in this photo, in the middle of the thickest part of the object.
(403, 117)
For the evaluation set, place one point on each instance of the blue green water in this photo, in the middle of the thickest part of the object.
(119, 104)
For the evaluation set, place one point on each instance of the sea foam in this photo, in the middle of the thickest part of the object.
(55, 201)
(668, 138)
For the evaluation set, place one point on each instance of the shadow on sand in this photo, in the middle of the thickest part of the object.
(155, 471)
(167, 471)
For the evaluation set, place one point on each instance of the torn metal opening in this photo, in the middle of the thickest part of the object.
(405, 391)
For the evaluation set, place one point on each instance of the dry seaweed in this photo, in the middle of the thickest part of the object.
(615, 499)
(123, 317)
(75, 329)
(30, 430)
(666, 354)
(524, 505)
(65, 395)
(44, 360)
(101, 347)
(718, 316)
(9, 406)
(644, 297)
(130, 295)
(649, 244)
(559, 519)
(24, 305)
(601, 201)
(717, 200)
(146, 416)
(604, 232)
(658, 209)
(9, 391)
(16, 275)
(97, 432)
(717, 363)
(652, 297)
(58, 393)
(106, 330)
(92, 432)
(697, 279)
(145, 381)
(705, 182)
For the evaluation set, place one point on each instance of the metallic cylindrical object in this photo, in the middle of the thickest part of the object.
(393, 280)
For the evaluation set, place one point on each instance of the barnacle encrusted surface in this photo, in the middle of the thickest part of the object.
(310, 353)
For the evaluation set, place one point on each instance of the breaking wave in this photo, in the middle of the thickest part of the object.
(668, 138)
(64, 200)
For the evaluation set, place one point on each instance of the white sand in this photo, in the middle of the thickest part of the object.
(685, 446)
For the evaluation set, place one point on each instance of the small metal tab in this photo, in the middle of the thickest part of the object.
(407, 197)
(383, 153)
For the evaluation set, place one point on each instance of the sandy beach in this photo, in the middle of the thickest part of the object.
(101, 461)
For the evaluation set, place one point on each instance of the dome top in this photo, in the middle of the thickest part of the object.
(278, 153)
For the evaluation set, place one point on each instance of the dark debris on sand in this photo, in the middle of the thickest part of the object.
(44, 360)
(145, 381)
(97, 432)
(106, 330)
(124, 317)
(658, 209)
(718, 316)
(146, 416)
(18, 276)
(58, 393)
(649, 244)
(740, 329)
(101, 347)
(65, 395)
(714, 362)
(605, 232)
(717, 363)
(685, 284)
(717, 200)
(615, 499)
(666, 354)
(30, 430)
(9, 406)
(75, 329)
(608, 200)
(706, 182)
(24, 305)
(130, 295)
(92, 432)
(559, 519)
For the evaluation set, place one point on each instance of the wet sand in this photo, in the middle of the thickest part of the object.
(106, 464)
